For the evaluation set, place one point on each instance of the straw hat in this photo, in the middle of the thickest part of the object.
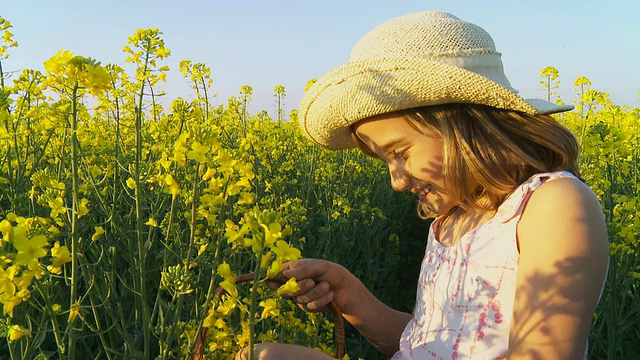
(421, 59)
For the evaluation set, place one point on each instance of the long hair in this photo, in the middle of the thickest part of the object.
(488, 152)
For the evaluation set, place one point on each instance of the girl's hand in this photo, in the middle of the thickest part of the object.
(320, 282)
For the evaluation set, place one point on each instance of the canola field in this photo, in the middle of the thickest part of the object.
(122, 213)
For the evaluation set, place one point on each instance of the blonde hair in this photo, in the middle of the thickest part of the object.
(494, 148)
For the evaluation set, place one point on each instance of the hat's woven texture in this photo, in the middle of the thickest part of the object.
(421, 59)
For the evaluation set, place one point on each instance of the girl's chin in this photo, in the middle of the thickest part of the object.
(430, 208)
(436, 208)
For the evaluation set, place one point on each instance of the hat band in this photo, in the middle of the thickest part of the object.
(487, 65)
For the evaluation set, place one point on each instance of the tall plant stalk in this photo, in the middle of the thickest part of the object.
(74, 219)
(142, 290)
(254, 299)
(187, 260)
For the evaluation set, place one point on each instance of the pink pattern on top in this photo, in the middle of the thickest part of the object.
(466, 292)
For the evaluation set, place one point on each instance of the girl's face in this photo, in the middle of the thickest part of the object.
(414, 158)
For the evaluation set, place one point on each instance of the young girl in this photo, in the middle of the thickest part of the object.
(517, 255)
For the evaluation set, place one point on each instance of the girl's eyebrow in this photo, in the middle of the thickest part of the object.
(385, 147)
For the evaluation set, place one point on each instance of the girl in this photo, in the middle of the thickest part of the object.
(518, 253)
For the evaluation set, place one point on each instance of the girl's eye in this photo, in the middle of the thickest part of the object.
(400, 155)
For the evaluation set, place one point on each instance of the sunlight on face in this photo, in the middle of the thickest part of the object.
(414, 157)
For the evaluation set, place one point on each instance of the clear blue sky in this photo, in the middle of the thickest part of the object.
(268, 43)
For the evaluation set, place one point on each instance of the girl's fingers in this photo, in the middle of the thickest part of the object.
(319, 304)
(314, 278)
(313, 293)
(305, 268)
(305, 285)
(273, 285)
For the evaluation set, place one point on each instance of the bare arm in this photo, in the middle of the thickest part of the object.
(563, 262)
(322, 281)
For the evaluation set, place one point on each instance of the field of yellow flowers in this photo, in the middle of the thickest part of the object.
(122, 214)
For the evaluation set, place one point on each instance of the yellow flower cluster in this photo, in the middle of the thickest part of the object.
(7, 38)
(24, 245)
(76, 72)
(263, 231)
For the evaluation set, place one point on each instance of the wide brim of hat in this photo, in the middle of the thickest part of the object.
(358, 90)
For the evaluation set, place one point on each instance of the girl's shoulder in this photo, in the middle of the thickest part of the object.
(515, 204)
(559, 193)
(562, 219)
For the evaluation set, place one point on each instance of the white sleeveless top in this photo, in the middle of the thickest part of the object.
(465, 296)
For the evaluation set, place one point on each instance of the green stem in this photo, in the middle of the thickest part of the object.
(142, 273)
(74, 218)
(166, 252)
(216, 263)
(54, 320)
(1, 76)
(635, 157)
(165, 261)
(85, 267)
(254, 299)
(612, 318)
(116, 155)
(187, 262)
(206, 102)
(194, 210)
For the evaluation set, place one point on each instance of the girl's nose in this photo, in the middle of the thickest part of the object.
(400, 179)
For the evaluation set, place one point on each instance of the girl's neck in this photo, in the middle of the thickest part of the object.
(453, 226)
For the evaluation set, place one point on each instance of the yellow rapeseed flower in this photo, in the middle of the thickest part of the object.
(236, 234)
(24, 281)
(224, 270)
(209, 321)
(174, 188)
(7, 38)
(70, 70)
(131, 184)
(270, 308)
(17, 331)
(73, 312)
(285, 252)
(59, 255)
(274, 268)
(221, 324)
(208, 174)
(290, 287)
(33, 192)
(245, 198)
(29, 249)
(57, 185)
(82, 207)
(57, 207)
(5, 227)
(272, 232)
(230, 288)
(198, 152)
(226, 307)
(99, 231)
(10, 300)
(57, 63)
(6, 280)
(37, 268)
